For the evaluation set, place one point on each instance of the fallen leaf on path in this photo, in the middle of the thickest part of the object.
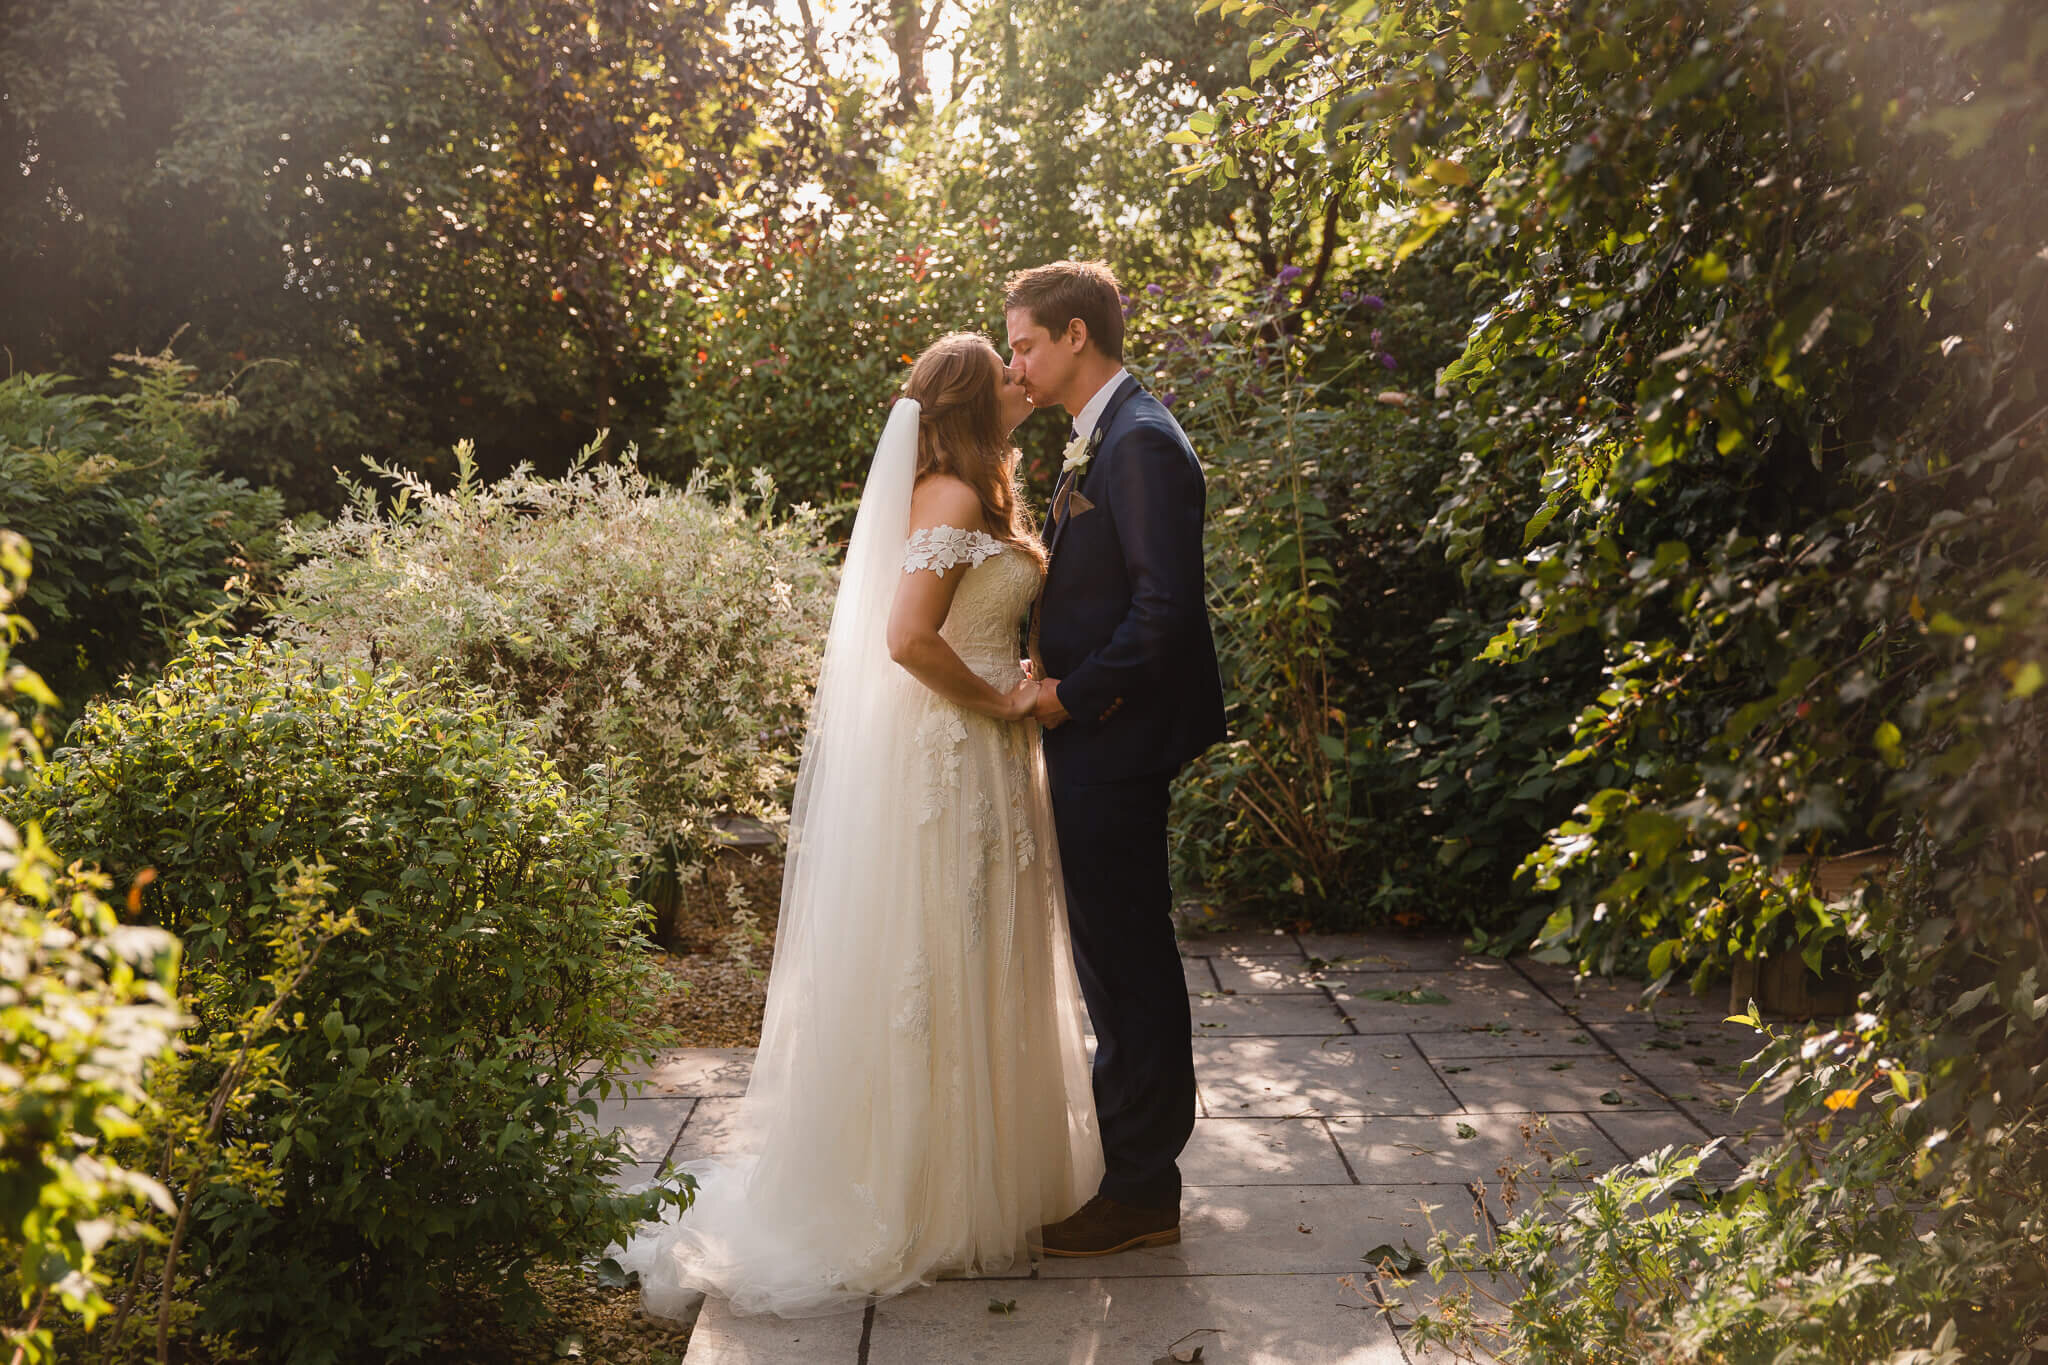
(1417, 995)
(1401, 1260)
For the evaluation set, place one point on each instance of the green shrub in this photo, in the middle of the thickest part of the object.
(422, 1115)
(1378, 768)
(135, 536)
(1278, 816)
(675, 631)
(85, 1006)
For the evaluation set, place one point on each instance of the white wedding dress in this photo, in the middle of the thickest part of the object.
(920, 1101)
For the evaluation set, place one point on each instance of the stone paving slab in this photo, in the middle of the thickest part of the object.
(1583, 1084)
(1317, 1077)
(1271, 1229)
(1269, 970)
(1475, 995)
(1249, 974)
(713, 1125)
(1359, 952)
(1595, 998)
(1255, 941)
(1314, 1143)
(1258, 1320)
(1312, 1015)
(722, 1338)
(1724, 1111)
(1262, 1151)
(703, 1072)
(650, 1125)
(1451, 1046)
(1408, 1151)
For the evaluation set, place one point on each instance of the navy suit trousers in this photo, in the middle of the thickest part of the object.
(1119, 908)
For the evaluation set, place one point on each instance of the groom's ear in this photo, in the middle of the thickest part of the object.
(1076, 336)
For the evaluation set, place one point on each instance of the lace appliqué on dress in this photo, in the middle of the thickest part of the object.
(939, 737)
(940, 548)
(1019, 774)
(914, 1000)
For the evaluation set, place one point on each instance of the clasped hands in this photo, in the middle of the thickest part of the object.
(1038, 698)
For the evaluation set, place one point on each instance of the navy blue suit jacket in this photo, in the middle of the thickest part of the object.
(1124, 621)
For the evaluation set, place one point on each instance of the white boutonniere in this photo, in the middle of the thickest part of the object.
(1078, 453)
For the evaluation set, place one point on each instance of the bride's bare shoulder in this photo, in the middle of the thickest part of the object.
(943, 500)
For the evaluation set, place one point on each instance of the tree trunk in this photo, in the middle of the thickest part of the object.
(909, 32)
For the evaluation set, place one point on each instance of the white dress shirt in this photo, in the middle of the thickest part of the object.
(1091, 411)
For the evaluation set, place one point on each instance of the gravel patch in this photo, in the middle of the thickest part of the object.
(717, 969)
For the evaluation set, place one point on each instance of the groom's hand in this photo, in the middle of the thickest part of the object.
(1050, 713)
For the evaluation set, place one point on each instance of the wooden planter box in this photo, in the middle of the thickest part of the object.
(1780, 982)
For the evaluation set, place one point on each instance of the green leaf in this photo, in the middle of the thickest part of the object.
(1273, 55)
(1969, 1000)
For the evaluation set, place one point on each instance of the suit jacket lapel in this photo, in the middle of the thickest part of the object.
(1109, 411)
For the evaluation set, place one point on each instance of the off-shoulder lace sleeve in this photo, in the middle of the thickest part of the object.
(940, 548)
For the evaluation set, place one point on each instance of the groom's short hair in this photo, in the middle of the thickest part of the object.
(1058, 293)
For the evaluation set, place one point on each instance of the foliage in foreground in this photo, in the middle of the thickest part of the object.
(1653, 1262)
(671, 629)
(414, 1136)
(85, 1005)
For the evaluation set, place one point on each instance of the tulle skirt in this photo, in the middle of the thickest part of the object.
(920, 1100)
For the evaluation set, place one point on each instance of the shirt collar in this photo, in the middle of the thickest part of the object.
(1085, 420)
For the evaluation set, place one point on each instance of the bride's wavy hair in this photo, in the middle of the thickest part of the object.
(957, 383)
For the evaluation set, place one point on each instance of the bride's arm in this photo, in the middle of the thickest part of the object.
(923, 598)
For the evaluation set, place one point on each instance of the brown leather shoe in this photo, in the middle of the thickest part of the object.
(1103, 1227)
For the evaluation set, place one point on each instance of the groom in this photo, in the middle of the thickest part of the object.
(1130, 693)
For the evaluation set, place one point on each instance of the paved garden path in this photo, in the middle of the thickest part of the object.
(1343, 1082)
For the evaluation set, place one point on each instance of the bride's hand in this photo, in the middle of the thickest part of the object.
(1020, 702)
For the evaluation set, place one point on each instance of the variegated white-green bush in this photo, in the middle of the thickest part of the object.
(673, 633)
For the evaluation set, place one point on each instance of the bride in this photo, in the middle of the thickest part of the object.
(920, 1102)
